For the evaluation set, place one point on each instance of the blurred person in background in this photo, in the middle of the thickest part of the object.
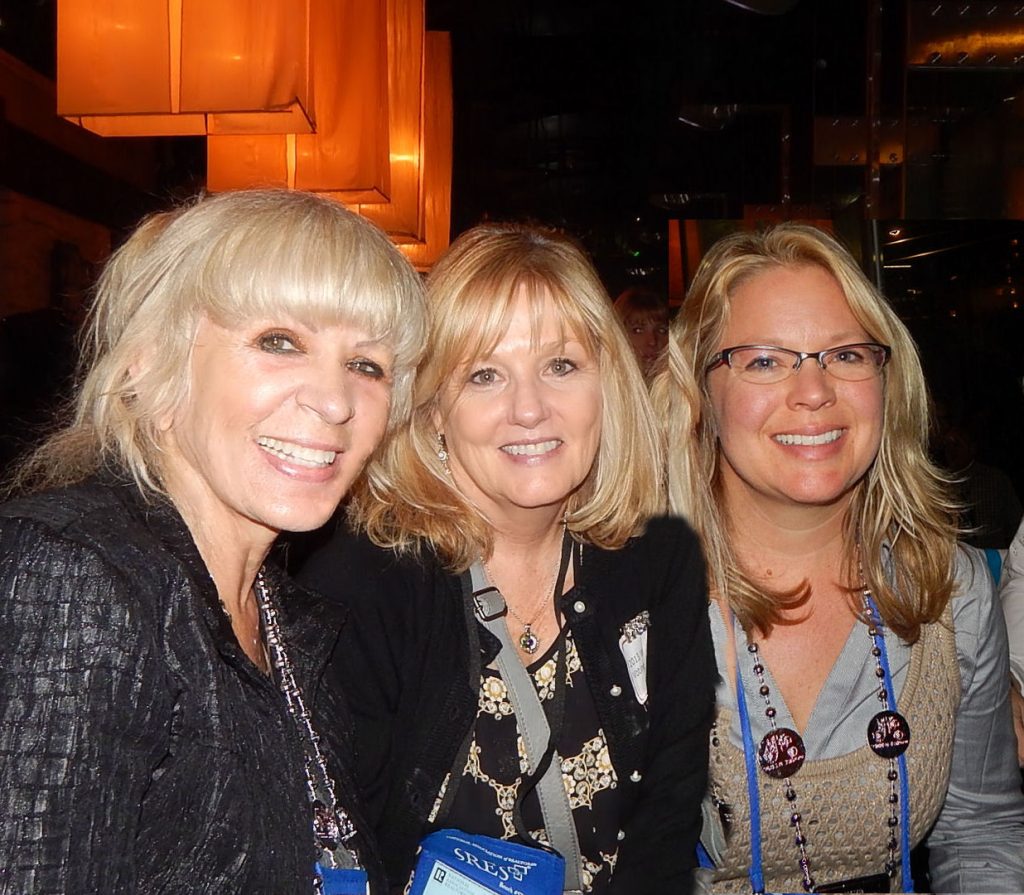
(644, 314)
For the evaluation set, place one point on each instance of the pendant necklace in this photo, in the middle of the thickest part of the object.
(528, 640)
(781, 753)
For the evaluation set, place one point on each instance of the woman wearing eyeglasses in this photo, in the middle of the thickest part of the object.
(862, 703)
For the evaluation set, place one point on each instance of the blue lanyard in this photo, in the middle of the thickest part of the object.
(902, 759)
(756, 871)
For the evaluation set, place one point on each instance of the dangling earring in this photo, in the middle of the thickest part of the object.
(442, 453)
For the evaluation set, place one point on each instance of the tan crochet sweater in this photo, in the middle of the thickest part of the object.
(844, 801)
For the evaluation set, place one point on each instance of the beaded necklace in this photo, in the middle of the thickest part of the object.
(332, 827)
(781, 753)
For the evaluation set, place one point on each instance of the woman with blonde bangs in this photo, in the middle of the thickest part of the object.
(160, 687)
(862, 704)
(530, 467)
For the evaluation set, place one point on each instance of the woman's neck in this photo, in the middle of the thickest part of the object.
(784, 546)
(528, 534)
(233, 554)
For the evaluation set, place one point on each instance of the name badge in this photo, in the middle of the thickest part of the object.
(335, 881)
(633, 644)
(451, 862)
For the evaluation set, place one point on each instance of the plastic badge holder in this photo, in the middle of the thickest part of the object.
(455, 863)
(343, 882)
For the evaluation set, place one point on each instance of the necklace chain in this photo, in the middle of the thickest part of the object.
(888, 735)
(528, 640)
(332, 827)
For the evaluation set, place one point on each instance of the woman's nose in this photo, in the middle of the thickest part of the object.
(810, 386)
(328, 396)
(527, 405)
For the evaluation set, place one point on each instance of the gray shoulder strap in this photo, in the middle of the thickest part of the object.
(533, 725)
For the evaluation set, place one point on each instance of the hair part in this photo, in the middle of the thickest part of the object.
(232, 257)
(472, 294)
(902, 502)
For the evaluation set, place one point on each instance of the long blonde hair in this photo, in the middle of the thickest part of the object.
(231, 257)
(903, 500)
(409, 501)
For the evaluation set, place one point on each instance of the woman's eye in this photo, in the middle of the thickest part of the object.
(278, 342)
(562, 366)
(368, 368)
(762, 362)
(852, 356)
(486, 376)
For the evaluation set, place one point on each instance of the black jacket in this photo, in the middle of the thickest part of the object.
(140, 750)
(404, 665)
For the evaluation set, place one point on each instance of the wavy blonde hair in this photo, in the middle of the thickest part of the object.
(408, 501)
(232, 257)
(902, 501)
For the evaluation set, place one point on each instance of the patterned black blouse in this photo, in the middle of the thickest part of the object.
(496, 765)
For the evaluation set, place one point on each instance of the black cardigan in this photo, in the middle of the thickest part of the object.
(403, 662)
(140, 750)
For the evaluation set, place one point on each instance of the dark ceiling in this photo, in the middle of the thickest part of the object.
(572, 112)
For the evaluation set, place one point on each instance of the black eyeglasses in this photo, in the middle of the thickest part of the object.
(769, 363)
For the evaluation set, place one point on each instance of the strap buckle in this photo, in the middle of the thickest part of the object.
(489, 603)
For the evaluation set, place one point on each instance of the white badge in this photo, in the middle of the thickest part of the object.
(633, 644)
(446, 880)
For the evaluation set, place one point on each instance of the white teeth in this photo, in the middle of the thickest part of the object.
(531, 450)
(296, 453)
(823, 438)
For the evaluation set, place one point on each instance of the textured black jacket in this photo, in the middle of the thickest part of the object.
(403, 661)
(140, 750)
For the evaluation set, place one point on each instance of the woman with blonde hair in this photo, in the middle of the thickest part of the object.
(160, 679)
(862, 705)
(530, 467)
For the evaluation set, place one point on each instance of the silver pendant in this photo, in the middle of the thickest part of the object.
(782, 753)
(528, 641)
(888, 734)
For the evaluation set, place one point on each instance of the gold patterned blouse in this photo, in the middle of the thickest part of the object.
(496, 765)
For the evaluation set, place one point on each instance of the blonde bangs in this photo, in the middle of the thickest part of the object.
(477, 316)
(308, 268)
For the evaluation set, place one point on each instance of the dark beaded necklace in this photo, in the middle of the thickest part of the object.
(782, 752)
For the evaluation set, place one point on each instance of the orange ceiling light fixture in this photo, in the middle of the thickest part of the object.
(402, 216)
(349, 153)
(185, 67)
(437, 153)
